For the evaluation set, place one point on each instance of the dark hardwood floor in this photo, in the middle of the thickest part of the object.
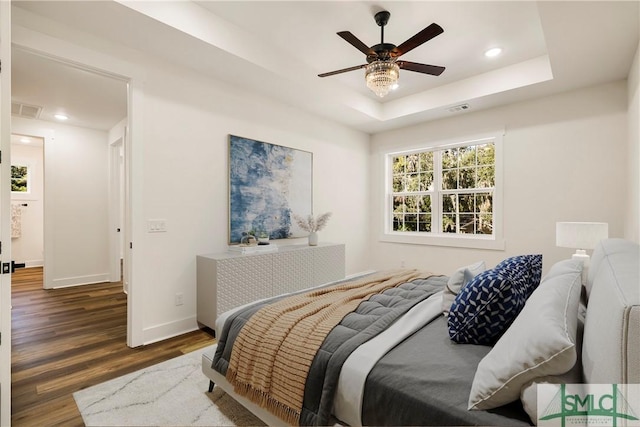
(68, 339)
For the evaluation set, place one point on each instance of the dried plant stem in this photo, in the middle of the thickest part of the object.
(312, 224)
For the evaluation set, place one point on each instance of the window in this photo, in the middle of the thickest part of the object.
(412, 194)
(468, 181)
(445, 194)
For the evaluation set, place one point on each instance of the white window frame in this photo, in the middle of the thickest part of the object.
(494, 241)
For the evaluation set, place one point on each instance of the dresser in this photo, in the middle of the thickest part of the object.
(227, 280)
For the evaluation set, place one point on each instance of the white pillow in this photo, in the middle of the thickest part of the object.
(540, 342)
(529, 392)
(461, 277)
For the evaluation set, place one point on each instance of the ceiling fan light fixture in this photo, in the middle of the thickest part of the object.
(381, 76)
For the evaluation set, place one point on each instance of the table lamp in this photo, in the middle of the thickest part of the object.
(581, 236)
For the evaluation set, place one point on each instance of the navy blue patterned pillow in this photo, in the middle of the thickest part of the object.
(524, 269)
(489, 303)
(485, 308)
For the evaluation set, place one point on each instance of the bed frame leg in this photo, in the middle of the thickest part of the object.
(211, 384)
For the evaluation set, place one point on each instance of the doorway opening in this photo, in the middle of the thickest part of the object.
(81, 117)
(117, 211)
(27, 201)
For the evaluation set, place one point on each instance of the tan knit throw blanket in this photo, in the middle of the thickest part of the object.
(272, 354)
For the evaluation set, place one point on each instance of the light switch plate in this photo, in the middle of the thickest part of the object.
(156, 225)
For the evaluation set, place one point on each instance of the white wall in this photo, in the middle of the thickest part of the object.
(632, 219)
(29, 247)
(75, 201)
(564, 160)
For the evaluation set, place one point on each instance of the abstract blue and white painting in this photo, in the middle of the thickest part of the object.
(267, 184)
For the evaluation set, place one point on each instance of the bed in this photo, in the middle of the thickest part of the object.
(417, 366)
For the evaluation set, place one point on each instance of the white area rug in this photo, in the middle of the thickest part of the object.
(171, 393)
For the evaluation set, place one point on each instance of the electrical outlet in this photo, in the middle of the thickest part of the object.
(179, 298)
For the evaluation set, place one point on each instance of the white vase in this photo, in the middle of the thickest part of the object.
(313, 239)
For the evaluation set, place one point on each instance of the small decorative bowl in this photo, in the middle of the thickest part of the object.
(248, 240)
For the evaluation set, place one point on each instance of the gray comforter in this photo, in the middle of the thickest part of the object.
(426, 380)
(368, 320)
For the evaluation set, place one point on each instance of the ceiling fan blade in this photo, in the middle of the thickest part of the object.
(423, 36)
(434, 70)
(355, 42)
(344, 70)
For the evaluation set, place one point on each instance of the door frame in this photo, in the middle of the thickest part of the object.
(135, 98)
(47, 137)
(116, 209)
(5, 202)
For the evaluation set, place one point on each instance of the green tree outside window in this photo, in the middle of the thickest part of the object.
(460, 180)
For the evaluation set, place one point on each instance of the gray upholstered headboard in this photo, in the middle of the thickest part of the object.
(611, 346)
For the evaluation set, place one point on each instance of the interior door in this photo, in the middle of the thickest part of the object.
(5, 219)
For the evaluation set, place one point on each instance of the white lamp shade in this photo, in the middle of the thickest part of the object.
(580, 235)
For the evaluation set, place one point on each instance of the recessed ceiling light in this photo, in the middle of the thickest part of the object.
(494, 51)
(394, 86)
(60, 116)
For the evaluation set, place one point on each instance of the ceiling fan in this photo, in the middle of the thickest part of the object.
(382, 67)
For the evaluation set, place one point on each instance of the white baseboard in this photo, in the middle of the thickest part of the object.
(169, 330)
(65, 282)
(34, 263)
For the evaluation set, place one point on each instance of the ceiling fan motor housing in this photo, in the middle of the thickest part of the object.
(382, 52)
(382, 18)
